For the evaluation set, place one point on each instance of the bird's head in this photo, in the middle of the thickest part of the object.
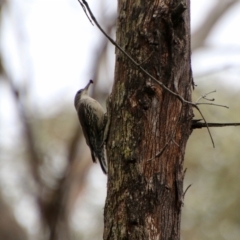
(80, 93)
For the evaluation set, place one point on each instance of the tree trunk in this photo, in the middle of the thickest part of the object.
(149, 127)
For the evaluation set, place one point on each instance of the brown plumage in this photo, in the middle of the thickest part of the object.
(92, 120)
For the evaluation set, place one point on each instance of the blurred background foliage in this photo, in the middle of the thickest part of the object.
(49, 187)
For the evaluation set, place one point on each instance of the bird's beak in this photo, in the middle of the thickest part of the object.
(90, 82)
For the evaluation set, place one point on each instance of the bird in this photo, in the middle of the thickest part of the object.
(92, 119)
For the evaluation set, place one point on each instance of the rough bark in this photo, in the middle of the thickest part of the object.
(149, 127)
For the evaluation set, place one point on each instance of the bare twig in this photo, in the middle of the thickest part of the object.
(197, 124)
(205, 95)
(213, 104)
(161, 151)
(175, 143)
(186, 190)
(206, 125)
(165, 146)
(84, 9)
(184, 173)
(146, 58)
(34, 159)
(209, 99)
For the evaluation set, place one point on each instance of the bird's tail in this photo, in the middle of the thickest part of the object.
(101, 158)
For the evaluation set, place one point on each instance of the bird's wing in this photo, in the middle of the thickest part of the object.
(89, 122)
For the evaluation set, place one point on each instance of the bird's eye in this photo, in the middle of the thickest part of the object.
(77, 96)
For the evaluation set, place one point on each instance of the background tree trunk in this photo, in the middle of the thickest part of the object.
(149, 127)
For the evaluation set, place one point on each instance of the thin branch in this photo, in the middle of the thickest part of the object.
(161, 151)
(197, 124)
(34, 159)
(85, 4)
(146, 59)
(186, 190)
(85, 11)
(175, 143)
(167, 143)
(209, 99)
(184, 173)
(205, 95)
(213, 104)
(206, 124)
